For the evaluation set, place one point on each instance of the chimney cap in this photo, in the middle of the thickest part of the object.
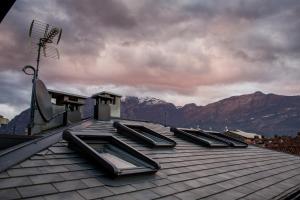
(104, 93)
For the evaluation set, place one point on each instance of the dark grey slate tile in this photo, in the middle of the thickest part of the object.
(46, 178)
(3, 175)
(92, 182)
(119, 197)
(61, 150)
(164, 190)
(228, 195)
(143, 185)
(194, 183)
(169, 198)
(70, 185)
(208, 190)
(34, 163)
(8, 194)
(160, 182)
(97, 192)
(79, 166)
(65, 161)
(52, 169)
(180, 186)
(79, 174)
(35, 190)
(36, 198)
(121, 189)
(23, 172)
(144, 194)
(64, 196)
(188, 195)
(14, 182)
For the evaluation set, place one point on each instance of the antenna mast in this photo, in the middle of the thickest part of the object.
(43, 37)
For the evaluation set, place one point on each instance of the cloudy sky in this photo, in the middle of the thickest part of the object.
(181, 51)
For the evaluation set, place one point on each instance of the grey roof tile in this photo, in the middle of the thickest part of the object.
(23, 172)
(169, 198)
(64, 196)
(8, 194)
(188, 195)
(164, 190)
(59, 150)
(194, 183)
(160, 182)
(180, 186)
(79, 174)
(14, 182)
(36, 198)
(120, 197)
(144, 194)
(121, 189)
(79, 166)
(93, 193)
(70, 185)
(52, 169)
(3, 175)
(46, 178)
(92, 182)
(36, 190)
(34, 163)
(143, 185)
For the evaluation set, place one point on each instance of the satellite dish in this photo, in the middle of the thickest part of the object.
(43, 100)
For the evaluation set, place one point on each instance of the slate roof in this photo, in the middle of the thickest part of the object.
(189, 171)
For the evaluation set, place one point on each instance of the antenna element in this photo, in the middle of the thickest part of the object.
(43, 37)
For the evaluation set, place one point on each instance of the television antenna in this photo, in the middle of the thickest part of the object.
(44, 38)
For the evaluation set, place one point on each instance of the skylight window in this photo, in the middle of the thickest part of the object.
(233, 141)
(118, 162)
(116, 157)
(199, 137)
(207, 138)
(145, 135)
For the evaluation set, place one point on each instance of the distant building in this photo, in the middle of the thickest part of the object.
(3, 120)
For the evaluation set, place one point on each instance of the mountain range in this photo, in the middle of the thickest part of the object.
(266, 114)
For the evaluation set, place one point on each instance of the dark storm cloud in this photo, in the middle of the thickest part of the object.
(15, 89)
(162, 45)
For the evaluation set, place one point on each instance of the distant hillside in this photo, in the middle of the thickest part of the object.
(267, 114)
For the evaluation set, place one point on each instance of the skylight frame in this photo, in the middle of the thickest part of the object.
(233, 141)
(129, 130)
(77, 142)
(184, 133)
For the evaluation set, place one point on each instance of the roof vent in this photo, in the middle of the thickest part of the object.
(116, 157)
(144, 134)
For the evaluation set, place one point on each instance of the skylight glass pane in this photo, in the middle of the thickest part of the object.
(118, 162)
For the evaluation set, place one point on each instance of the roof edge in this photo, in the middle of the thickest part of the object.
(18, 153)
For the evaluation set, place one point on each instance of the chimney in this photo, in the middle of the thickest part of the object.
(108, 105)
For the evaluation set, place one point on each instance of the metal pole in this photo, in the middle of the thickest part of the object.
(33, 102)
